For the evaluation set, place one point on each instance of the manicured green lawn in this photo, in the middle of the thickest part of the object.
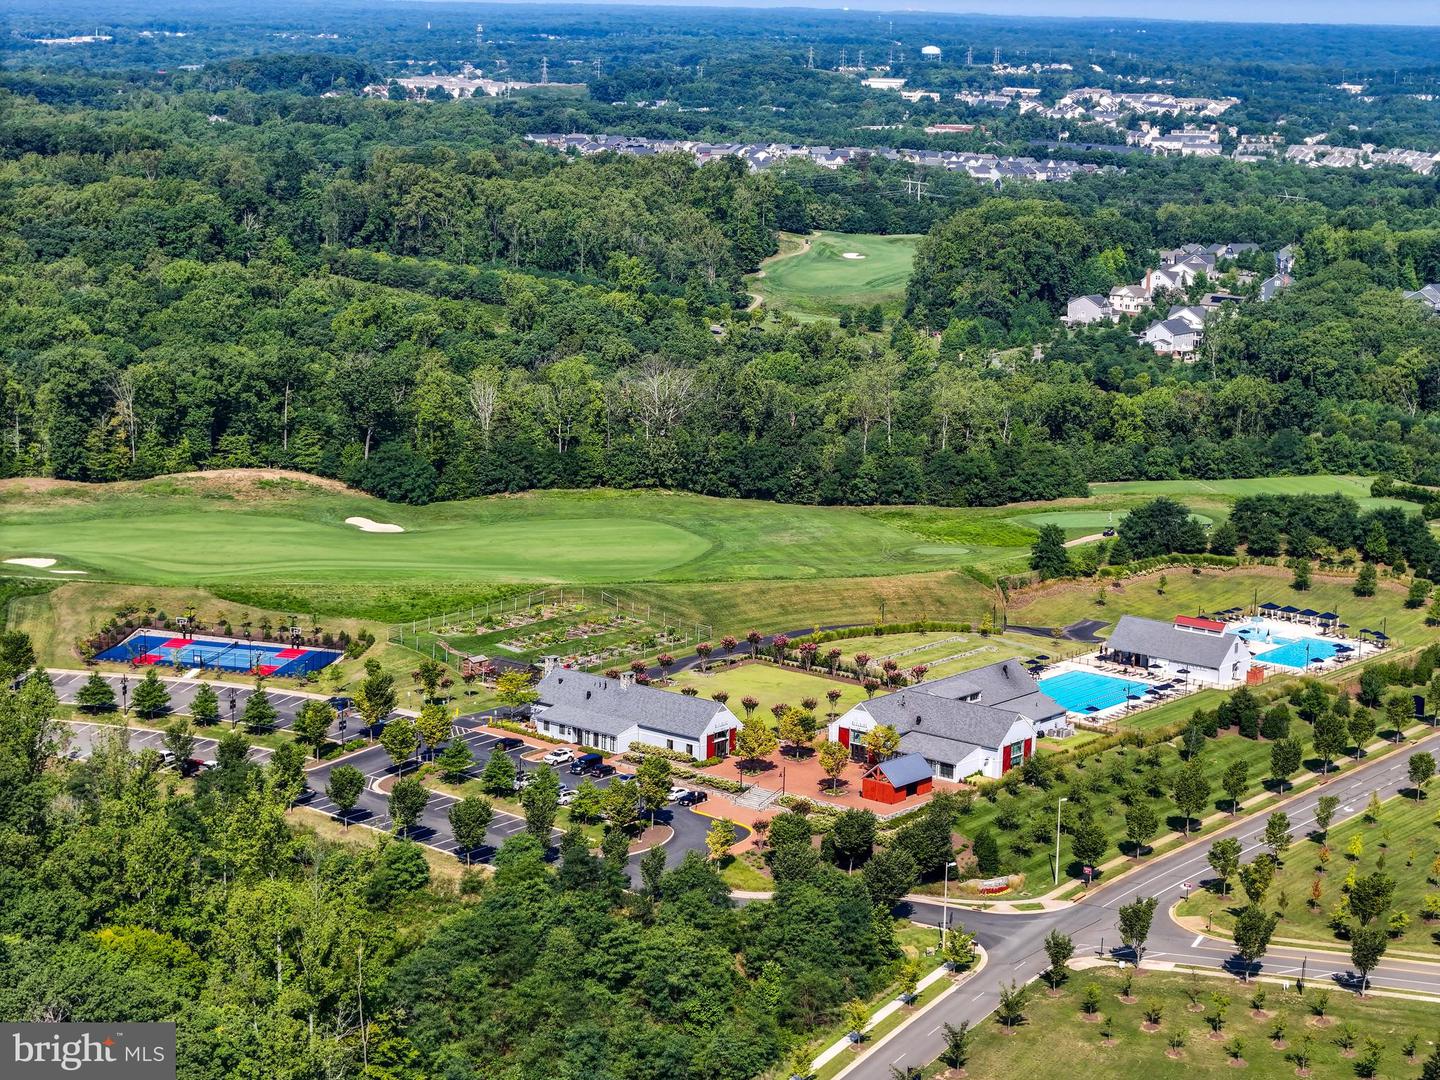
(1056, 1043)
(944, 652)
(769, 683)
(819, 278)
(1404, 843)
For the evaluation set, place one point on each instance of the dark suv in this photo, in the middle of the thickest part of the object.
(585, 763)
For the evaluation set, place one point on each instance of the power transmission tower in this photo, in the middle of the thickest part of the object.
(842, 59)
(544, 70)
(810, 58)
(860, 58)
(970, 56)
(917, 187)
(996, 60)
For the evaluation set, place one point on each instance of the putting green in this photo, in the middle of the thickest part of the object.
(826, 275)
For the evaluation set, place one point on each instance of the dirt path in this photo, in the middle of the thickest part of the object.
(1084, 540)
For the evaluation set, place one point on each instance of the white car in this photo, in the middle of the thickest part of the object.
(675, 793)
(558, 756)
(567, 796)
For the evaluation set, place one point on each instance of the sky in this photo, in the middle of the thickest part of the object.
(1376, 12)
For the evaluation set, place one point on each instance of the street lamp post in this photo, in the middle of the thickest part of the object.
(945, 907)
(1058, 801)
(125, 694)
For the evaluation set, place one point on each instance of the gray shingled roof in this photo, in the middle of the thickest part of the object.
(1163, 641)
(966, 721)
(589, 719)
(905, 769)
(598, 697)
(1006, 685)
(934, 748)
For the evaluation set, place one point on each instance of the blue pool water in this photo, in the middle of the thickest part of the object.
(143, 649)
(1291, 652)
(1297, 654)
(1077, 691)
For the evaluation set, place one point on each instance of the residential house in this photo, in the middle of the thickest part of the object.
(1172, 337)
(1197, 650)
(1129, 299)
(1194, 315)
(1084, 310)
(1427, 294)
(1272, 285)
(615, 714)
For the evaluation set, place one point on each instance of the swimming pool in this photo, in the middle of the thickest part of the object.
(1286, 651)
(144, 649)
(1297, 654)
(1089, 691)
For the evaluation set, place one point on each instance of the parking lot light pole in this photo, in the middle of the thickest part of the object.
(1058, 801)
(125, 694)
(945, 912)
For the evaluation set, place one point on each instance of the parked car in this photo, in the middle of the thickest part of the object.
(341, 704)
(508, 743)
(624, 777)
(603, 770)
(675, 793)
(559, 756)
(585, 763)
(567, 796)
(522, 779)
(167, 758)
(691, 798)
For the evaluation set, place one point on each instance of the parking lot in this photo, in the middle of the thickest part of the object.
(85, 736)
(182, 692)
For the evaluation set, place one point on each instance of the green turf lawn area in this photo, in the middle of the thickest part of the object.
(818, 278)
(945, 652)
(1215, 589)
(292, 544)
(1406, 837)
(769, 683)
(1057, 1043)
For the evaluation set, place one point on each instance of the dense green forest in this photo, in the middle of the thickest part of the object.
(219, 266)
(279, 954)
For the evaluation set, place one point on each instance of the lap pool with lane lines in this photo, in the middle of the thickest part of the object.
(1089, 691)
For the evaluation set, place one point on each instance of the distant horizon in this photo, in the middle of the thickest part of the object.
(1422, 14)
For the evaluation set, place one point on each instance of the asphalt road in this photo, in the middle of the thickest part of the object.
(1015, 943)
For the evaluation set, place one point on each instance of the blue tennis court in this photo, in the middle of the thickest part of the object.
(1089, 691)
(144, 648)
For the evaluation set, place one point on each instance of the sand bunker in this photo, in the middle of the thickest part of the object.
(38, 564)
(364, 524)
(69, 571)
(852, 255)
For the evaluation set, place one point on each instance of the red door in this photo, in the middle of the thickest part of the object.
(1005, 760)
(844, 736)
